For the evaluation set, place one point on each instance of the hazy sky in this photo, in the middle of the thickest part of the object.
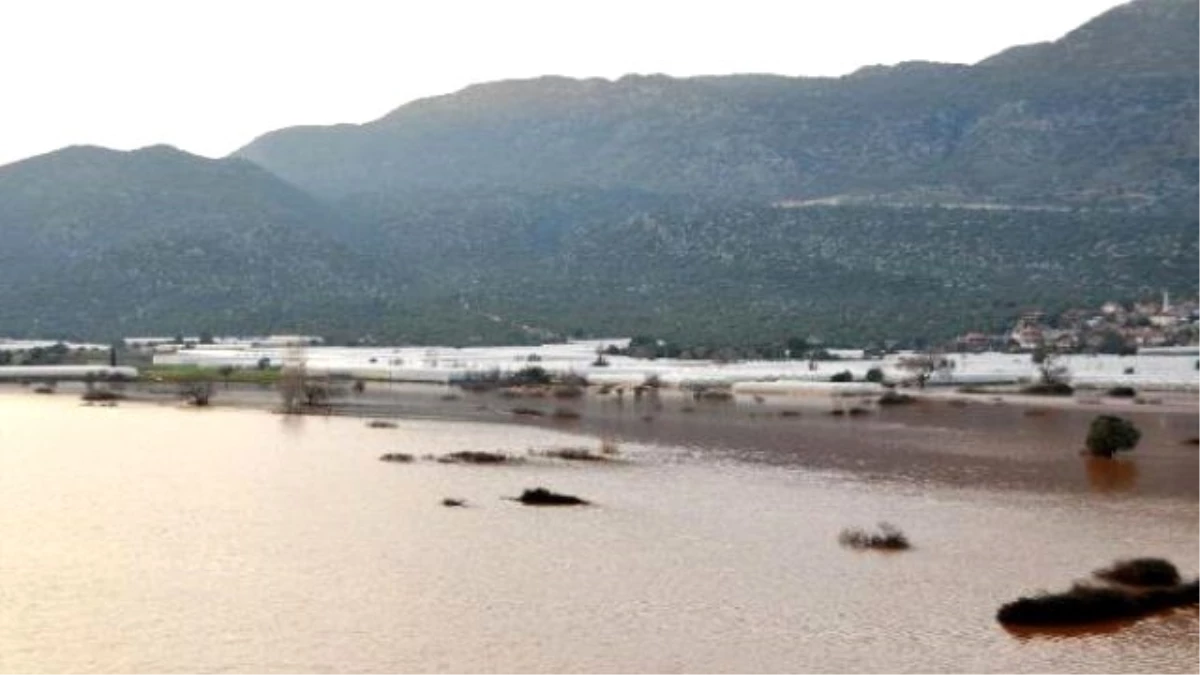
(210, 75)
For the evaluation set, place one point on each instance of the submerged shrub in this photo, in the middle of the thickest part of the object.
(1085, 604)
(102, 395)
(891, 397)
(528, 412)
(1110, 434)
(575, 454)
(888, 538)
(543, 497)
(401, 457)
(475, 457)
(1141, 572)
(1049, 389)
(531, 375)
(1122, 392)
(844, 376)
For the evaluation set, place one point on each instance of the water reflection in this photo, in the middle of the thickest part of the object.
(1025, 633)
(1111, 475)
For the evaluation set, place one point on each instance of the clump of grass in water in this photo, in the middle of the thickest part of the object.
(381, 424)
(889, 538)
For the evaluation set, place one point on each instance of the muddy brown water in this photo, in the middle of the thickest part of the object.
(152, 538)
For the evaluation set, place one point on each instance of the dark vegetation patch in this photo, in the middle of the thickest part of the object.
(1141, 572)
(399, 457)
(476, 457)
(896, 398)
(1109, 434)
(1087, 604)
(1048, 389)
(381, 424)
(1122, 392)
(888, 538)
(452, 502)
(576, 455)
(565, 414)
(102, 395)
(1143, 586)
(528, 412)
(543, 497)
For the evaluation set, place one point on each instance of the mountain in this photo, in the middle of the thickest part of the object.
(1139, 38)
(106, 243)
(1107, 114)
(713, 274)
(900, 202)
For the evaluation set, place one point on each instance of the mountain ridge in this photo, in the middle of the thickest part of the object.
(530, 210)
(1088, 102)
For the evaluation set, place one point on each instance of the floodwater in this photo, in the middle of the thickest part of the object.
(153, 538)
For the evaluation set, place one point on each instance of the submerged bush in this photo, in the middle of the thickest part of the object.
(874, 375)
(475, 457)
(889, 538)
(1141, 572)
(543, 497)
(1085, 604)
(1049, 389)
(575, 455)
(102, 395)
(1110, 434)
(528, 412)
(1122, 392)
(895, 398)
(844, 376)
(401, 457)
(531, 375)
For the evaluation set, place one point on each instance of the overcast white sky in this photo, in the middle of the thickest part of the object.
(210, 75)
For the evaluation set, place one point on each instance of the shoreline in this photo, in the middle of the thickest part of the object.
(994, 441)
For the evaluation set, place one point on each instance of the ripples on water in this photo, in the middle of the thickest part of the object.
(147, 538)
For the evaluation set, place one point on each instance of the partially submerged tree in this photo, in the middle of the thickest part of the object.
(1110, 434)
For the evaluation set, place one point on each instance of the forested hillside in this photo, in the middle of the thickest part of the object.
(710, 210)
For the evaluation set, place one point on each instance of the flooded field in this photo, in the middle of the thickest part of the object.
(155, 538)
